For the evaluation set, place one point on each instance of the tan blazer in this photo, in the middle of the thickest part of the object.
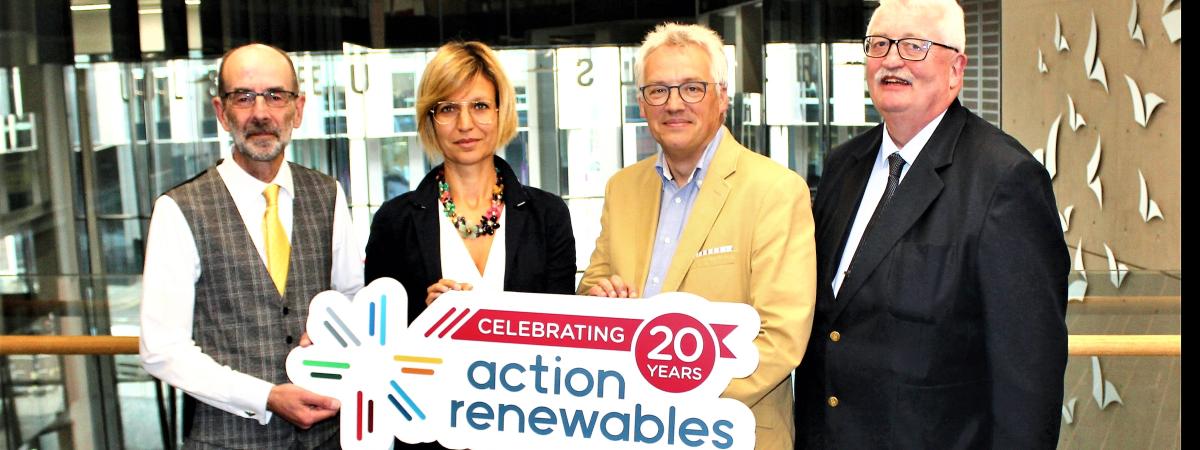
(752, 219)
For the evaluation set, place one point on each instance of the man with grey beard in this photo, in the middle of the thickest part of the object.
(233, 257)
(941, 266)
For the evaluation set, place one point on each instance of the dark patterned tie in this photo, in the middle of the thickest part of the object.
(895, 166)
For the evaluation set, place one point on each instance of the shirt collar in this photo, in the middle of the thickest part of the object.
(241, 181)
(913, 148)
(701, 167)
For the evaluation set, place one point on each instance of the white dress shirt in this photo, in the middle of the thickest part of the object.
(168, 291)
(876, 184)
(456, 261)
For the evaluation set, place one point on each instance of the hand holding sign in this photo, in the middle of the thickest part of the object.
(501, 370)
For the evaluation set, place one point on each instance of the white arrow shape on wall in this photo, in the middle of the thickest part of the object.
(1074, 119)
(1172, 21)
(1068, 411)
(1092, 64)
(1048, 156)
(1093, 175)
(1143, 105)
(1103, 390)
(1116, 270)
(1064, 217)
(1135, 30)
(1077, 289)
(1146, 206)
(1060, 41)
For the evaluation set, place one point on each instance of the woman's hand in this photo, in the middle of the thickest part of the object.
(443, 286)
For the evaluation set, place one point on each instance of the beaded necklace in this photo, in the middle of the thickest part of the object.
(488, 224)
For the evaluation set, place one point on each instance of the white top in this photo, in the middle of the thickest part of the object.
(168, 296)
(457, 264)
(876, 184)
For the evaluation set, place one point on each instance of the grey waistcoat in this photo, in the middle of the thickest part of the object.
(240, 320)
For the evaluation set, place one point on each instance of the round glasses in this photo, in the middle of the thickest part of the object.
(445, 113)
(690, 92)
(275, 98)
(912, 49)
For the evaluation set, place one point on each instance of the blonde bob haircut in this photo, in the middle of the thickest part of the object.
(451, 69)
(676, 34)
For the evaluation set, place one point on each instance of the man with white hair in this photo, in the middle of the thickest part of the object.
(709, 217)
(941, 265)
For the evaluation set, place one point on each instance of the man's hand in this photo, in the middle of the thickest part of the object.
(613, 287)
(301, 406)
(443, 286)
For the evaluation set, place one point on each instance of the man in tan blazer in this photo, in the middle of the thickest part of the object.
(709, 217)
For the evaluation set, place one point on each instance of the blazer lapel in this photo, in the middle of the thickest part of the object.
(845, 198)
(514, 221)
(516, 218)
(642, 211)
(425, 224)
(709, 201)
(920, 187)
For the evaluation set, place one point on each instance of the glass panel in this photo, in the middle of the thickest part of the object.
(123, 244)
(816, 98)
(401, 166)
(18, 180)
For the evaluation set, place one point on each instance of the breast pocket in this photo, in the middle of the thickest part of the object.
(714, 277)
(922, 280)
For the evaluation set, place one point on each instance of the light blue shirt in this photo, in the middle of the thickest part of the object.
(675, 204)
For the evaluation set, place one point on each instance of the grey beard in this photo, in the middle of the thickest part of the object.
(249, 151)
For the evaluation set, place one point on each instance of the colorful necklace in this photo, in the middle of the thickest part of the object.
(488, 224)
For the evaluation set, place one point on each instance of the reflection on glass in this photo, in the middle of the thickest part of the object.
(12, 255)
(123, 245)
(404, 90)
(161, 96)
(401, 166)
(808, 113)
(592, 156)
(517, 155)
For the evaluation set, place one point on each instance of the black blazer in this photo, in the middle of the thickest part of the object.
(949, 332)
(539, 243)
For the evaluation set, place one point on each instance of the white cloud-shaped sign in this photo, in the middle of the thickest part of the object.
(511, 370)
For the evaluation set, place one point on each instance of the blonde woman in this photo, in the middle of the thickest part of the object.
(470, 224)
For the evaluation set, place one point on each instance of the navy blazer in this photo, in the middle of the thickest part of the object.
(949, 332)
(539, 242)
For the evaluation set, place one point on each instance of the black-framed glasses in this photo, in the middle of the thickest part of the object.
(912, 49)
(445, 113)
(275, 98)
(690, 92)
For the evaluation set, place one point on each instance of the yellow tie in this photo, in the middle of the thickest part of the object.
(275, 239)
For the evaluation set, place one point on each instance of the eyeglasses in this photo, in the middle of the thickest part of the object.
(275, 98)
(690, 92)
(911, 49)
(445, 113)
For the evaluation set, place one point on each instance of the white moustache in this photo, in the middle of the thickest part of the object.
(880, 75)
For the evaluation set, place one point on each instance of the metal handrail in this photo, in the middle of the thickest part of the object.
(1078, 345)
